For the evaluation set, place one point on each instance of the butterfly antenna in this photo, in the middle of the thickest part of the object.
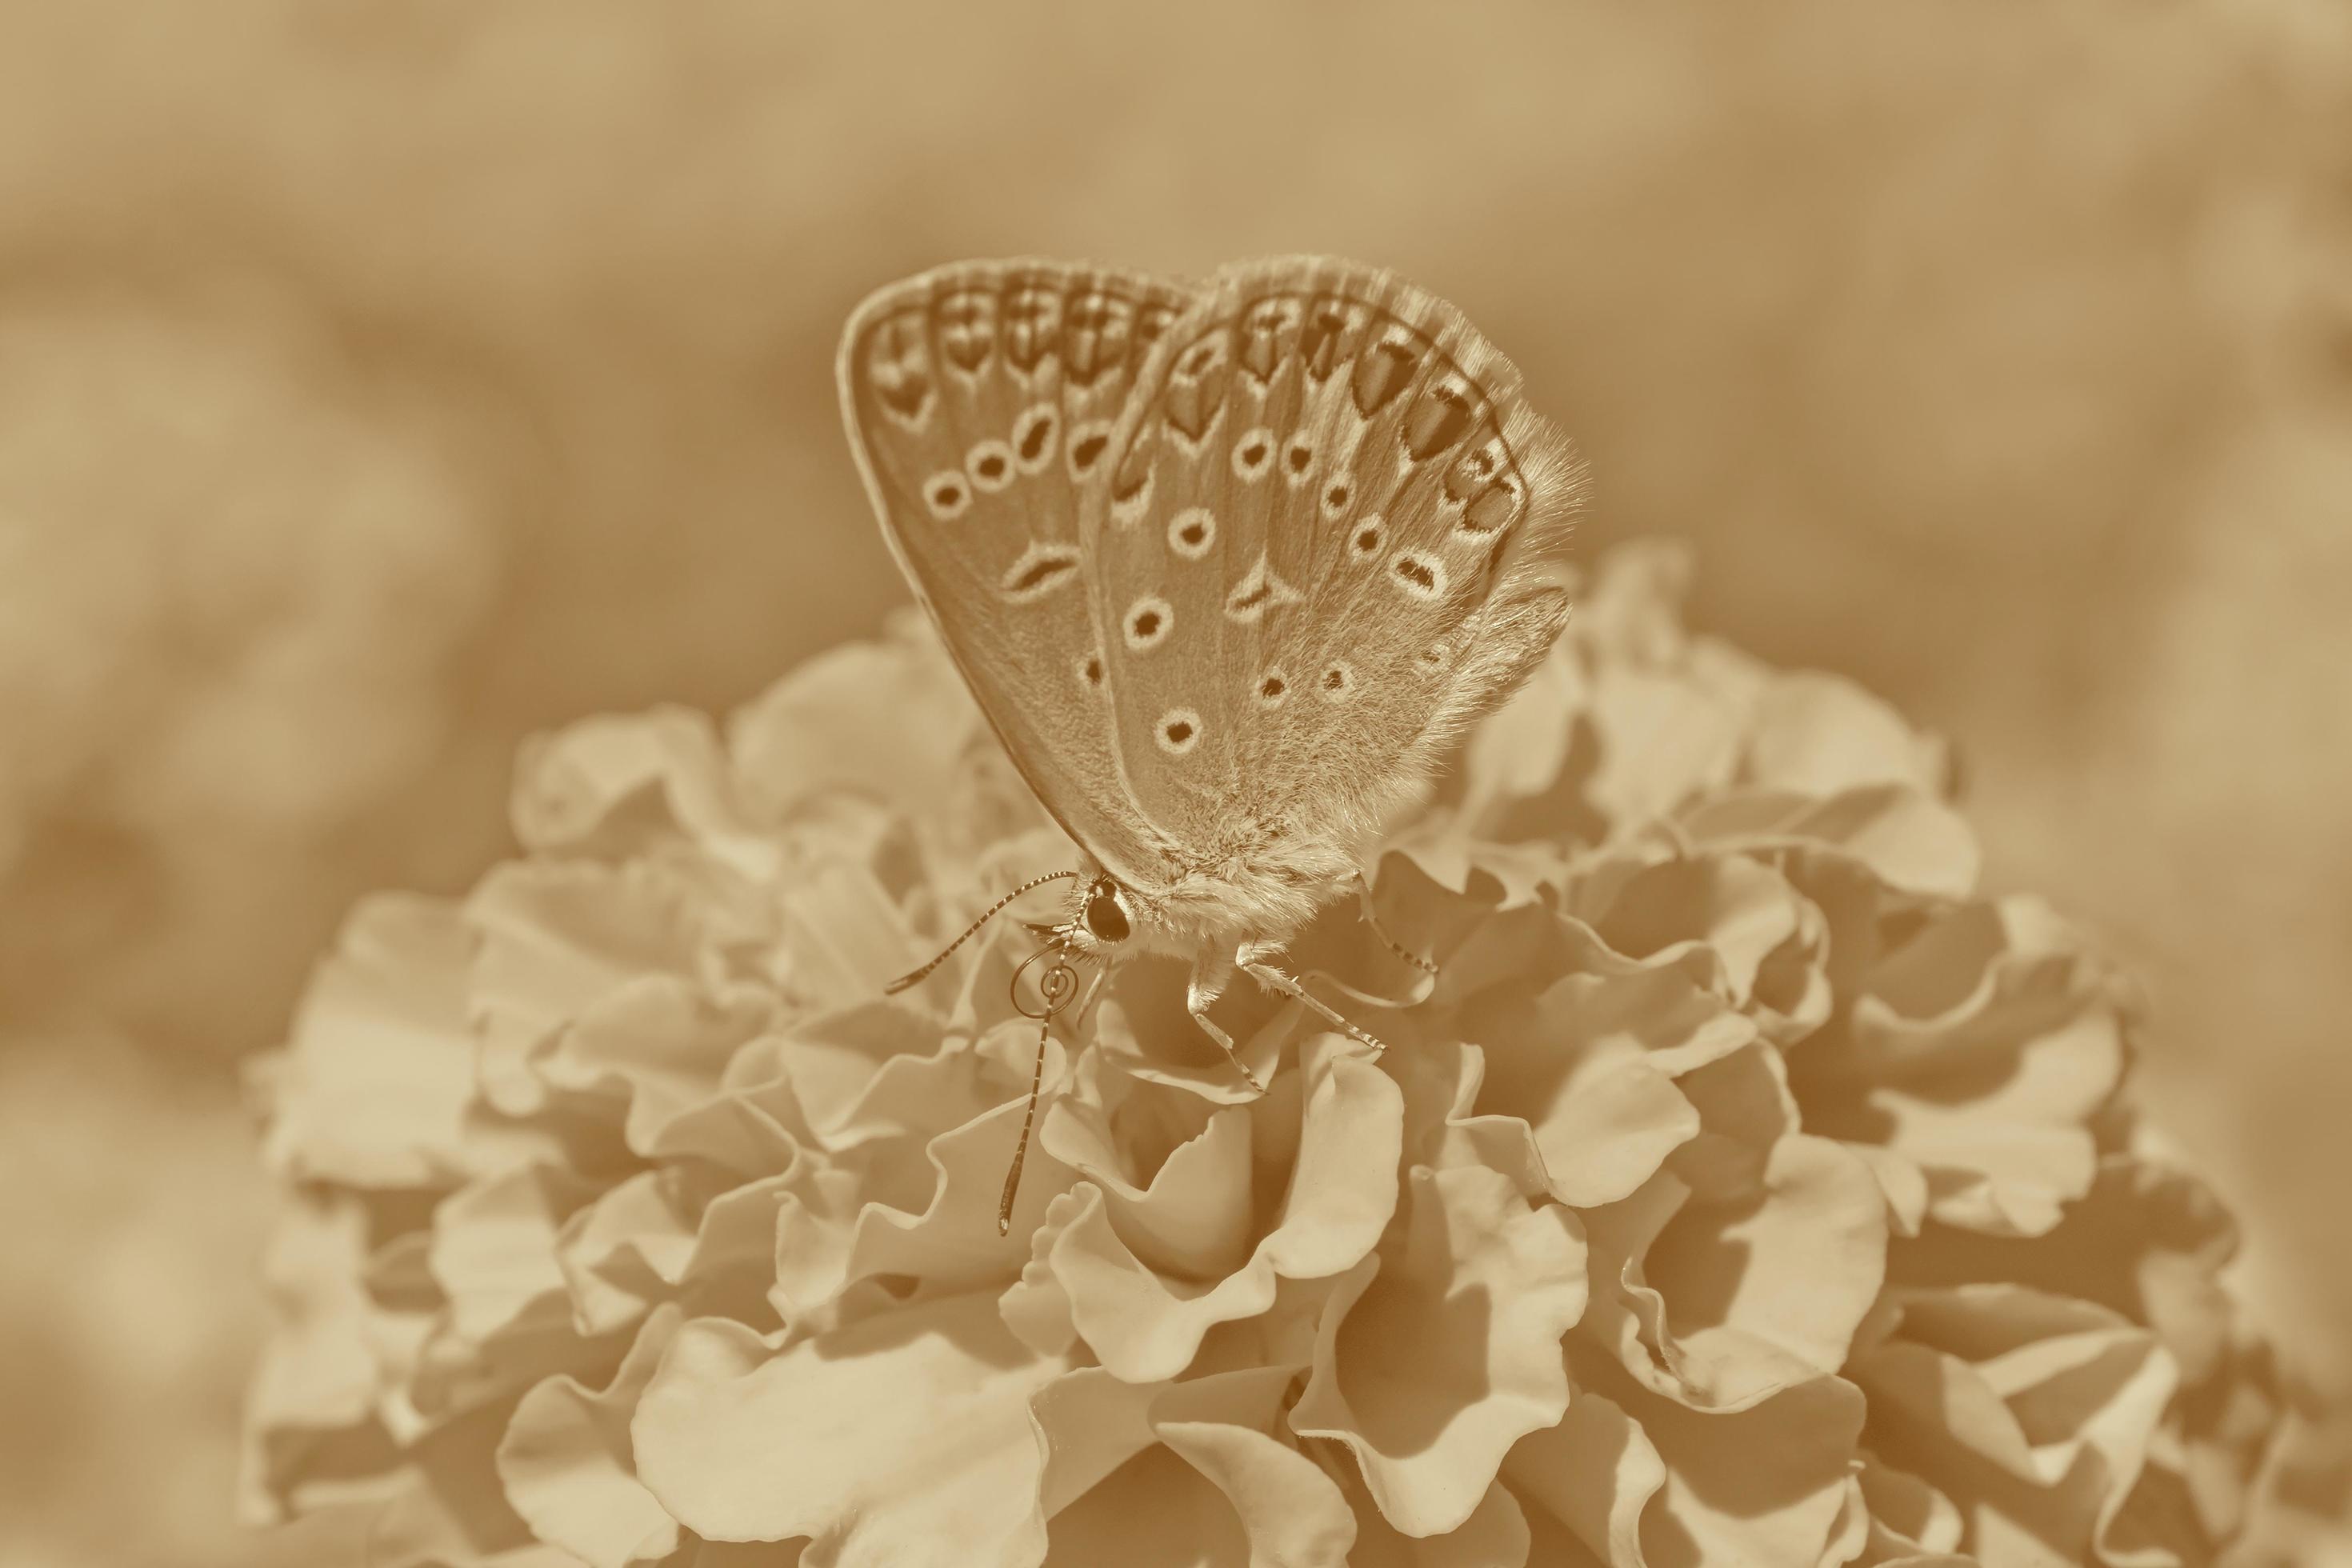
(1055, 987)
(918, 976)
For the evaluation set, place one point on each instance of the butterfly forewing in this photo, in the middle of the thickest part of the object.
(982, 400)
(1310, 557)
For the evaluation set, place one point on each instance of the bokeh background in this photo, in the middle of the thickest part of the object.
(382, 382)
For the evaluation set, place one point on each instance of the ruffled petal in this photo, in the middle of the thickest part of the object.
(1146, 1326)
(599, 785)
(1482, 1284)
(900, 1441)
(1595, 1472)
(376, 1083)
(568, 1466)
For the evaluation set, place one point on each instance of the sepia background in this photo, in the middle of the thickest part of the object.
(382, 382)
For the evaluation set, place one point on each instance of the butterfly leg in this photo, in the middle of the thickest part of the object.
(1253, 959)
(1425, 980)
(1428, 967)
(1211, 975)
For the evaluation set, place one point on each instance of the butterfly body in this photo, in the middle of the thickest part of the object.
(1227, 567)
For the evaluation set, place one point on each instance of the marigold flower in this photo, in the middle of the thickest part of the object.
(1748, 1189)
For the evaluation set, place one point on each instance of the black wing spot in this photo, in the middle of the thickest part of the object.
(1148, 622)
(1421, 575)
(1381, 375)
(1088, 451)
(1439, 419)
(1037, 437)
(1180, 731)
(947, 497)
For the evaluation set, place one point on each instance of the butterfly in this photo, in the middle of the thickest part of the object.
(1226, 568)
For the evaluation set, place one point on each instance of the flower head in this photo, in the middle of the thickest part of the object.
(1748, 1189)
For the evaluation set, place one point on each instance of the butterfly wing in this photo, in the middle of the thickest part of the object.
(981, 401)
(1317, 558)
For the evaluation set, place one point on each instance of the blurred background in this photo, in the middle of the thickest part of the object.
(382, 382)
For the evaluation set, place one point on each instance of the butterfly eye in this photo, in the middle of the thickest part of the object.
(1369, 539)
(1090, 670)
(1106, 921)
(1272, 689)
(1336, 500)
(1338, 681)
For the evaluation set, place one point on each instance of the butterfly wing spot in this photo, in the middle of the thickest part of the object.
(1195, 395)
(1179, 731)
(1440, 416)
(1253, 454)
(1433, 658)
(1384, 372)
(1496, 509)
(1421, 575)
(1193, 532)
(1089, 442)
(898, 366)
(967, 328)
(1033, 325)
(1336, 497)
(1032, 437)
(1148, 622)
(1298, 459)
(1272, 689)
(1370, 535)
(1096, 336)
(1259, 591)
(1268, 334)
(946, 495)
(1338, 681)
(1044, 566)
(989, 464)
(1089, 671)
(1128, 506)
(1323, 340)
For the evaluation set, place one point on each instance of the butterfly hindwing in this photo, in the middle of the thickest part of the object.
(1312, 557)
(982, 401)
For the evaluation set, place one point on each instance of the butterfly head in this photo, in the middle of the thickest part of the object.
(1106, 920)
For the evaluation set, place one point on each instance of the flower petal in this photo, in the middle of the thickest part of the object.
(494, 1245)
(901, 1441)
(1595, 1472)
(1819, 735)
(1146, 1327)
(887, 721)
(572, 785)
(1484, 1286)
(568, 1468)
(1760, 1486)
(375, 1084)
